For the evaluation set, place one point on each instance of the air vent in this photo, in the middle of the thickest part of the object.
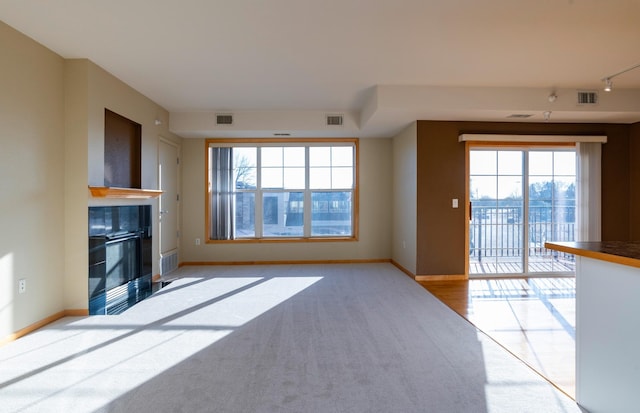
(334, 120)
(519, 116)
(587, 98)
(224, 119)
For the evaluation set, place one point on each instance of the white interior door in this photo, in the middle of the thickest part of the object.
(168, 160)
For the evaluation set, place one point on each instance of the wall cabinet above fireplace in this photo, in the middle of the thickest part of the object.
(122, 151)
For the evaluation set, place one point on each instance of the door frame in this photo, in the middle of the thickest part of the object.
(178, 148)
(496, 144)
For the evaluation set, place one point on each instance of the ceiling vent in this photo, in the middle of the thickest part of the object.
(224, 119)
(334, 120)
(519, 116)
(587, 98)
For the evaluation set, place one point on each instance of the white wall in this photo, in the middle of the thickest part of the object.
(32, 172)
(404, 241)
(375, 215)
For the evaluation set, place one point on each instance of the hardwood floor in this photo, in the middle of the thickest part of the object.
(533, 318)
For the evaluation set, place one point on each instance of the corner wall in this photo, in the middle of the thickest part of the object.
(634, 184)
(403, 246)
(32, 156)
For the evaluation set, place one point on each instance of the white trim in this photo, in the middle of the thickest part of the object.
(471, 137)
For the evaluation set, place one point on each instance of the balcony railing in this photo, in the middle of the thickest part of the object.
(497, 234)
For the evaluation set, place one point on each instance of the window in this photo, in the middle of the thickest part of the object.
(260, 189)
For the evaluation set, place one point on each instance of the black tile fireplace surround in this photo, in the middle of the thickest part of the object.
(120, 266)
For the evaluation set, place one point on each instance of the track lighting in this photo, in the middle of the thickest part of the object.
(608, 84)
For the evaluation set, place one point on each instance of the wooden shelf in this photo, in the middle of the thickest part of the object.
(130, 193)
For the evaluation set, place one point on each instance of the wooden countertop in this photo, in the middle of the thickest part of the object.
(618, 252)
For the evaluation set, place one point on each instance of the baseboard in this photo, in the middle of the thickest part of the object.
(450, 277)
(404, 270)
(78, 312)
(39, 324)
(284, 262)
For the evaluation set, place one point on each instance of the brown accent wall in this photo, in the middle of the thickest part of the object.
(634, 184)
(441, 176)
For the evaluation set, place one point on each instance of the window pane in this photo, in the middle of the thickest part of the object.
(509, 187)
(564, 163)
(483, 187)
(341, 178)
(245, 215)
(342, 156)
(565, 188)
(282, 214)
(540, 163)
(244, 167)
(320, 178)
(540, 188)
(510, 163)
(271, 156)
(245, 154)
(294, 178)
(293, 156)
(271, 178)
(483, 162)
(319, 156)
(331, 213)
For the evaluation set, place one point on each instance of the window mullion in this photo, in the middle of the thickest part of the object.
(258, 203)
(307, 207)
(525, 212)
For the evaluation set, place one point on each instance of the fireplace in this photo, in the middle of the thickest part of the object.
(119, 257)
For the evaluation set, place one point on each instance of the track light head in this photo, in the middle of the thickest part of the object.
(608, 85)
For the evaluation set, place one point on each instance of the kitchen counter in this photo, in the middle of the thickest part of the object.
(607, 324)
(617, 252)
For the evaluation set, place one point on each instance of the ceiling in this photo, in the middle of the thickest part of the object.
(283, 65)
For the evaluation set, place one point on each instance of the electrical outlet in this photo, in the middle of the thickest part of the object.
(22, 286)
(197, 241)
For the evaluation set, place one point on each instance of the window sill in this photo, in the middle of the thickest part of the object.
(281, 240)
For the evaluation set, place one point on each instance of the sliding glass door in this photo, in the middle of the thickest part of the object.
(508, 224)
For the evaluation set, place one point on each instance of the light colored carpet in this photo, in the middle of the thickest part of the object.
(307, 338)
